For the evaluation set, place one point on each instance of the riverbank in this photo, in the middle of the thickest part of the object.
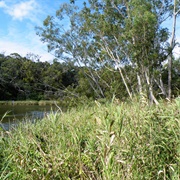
(29, 102)
(100, 141)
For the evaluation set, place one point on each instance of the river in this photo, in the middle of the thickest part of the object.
(19, 113)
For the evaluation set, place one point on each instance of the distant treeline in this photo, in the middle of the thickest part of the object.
(23, 78)
(27, 78)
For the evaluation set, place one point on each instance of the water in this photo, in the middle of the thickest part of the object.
(20, 113)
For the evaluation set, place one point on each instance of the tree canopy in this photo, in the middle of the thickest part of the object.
(113, 35)
(107, 48)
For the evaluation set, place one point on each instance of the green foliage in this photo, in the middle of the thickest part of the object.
(24, 79)
(111, 33)
(110, 48)
(29, 80)
(99, 141)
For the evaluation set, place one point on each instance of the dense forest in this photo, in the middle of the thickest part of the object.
(25, 78)
(109, 48)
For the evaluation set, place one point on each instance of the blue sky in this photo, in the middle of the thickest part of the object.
(18, 19)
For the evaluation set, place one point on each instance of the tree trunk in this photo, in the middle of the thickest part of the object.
(124, 81)
(143, 95)
(139, 84)
(116, 59)
(151, 94)
(172, 44)
(91, 77)
(161, 86)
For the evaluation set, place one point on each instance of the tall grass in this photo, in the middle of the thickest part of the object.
(102, 142)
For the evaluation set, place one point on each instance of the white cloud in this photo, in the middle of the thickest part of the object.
(20, 10)
(3, 4)
(20, 36)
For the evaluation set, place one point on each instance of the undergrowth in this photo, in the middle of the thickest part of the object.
(100, 142)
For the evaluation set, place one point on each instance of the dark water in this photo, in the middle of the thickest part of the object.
(19, 113)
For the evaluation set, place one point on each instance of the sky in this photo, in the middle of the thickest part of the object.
(18, 19)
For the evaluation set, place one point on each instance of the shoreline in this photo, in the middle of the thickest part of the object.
(29, 102)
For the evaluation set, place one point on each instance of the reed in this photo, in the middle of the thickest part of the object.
(103, 141)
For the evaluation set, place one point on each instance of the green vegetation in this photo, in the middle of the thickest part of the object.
(29, 80)
(128, 38)
(18, 102)
(29, 102)
(65, 82)
(96, 141)
(111, 50)
(108, 48)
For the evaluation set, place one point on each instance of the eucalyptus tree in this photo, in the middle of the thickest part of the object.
(142, 32)
(70, 43)
(106, 25)
(131, 32)
(113, 32)
(175, 13)
(78, 42)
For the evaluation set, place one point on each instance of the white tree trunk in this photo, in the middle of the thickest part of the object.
(161, 86)
(139, 84)
(117, 61)
(172, 45)
(124, 81)
(151, 94)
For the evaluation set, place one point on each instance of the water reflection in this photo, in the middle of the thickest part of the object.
(20, 113)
